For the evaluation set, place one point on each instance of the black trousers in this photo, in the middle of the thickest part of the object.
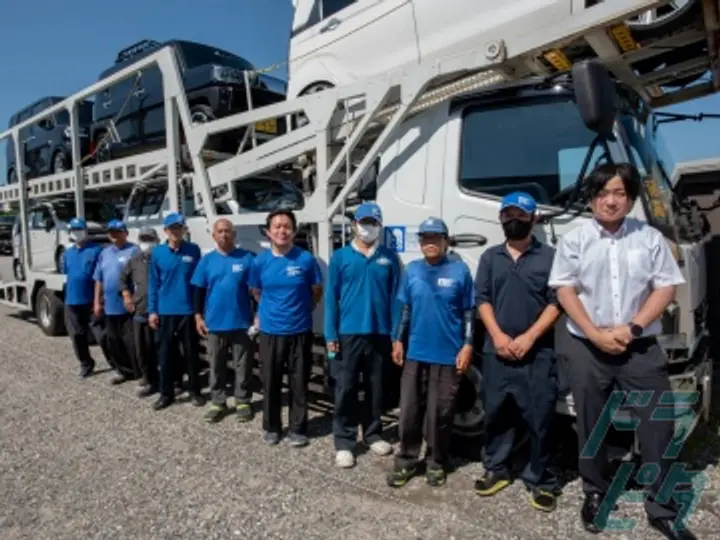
(278, 354)
(642, 369)
(427, 400)
(366, 355)
(529, 386)
(122, 344)
(174, 330)
(146, 353)
(80, 322)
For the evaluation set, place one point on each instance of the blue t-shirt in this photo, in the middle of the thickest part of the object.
(285, 283)
(227, 302)
(169, 289)
(438, 296)
(360, 293)
(111, 262)
(79, 267)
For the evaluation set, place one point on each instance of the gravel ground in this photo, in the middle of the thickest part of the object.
(83, 459)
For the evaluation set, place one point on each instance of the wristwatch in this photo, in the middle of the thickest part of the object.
(636, 330)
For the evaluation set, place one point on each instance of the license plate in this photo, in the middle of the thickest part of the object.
(266, 126)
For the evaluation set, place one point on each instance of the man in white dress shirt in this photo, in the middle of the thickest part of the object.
(614, 277)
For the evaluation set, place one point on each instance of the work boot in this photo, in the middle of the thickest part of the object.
(400, 476)
(215, 413)
(163, 402)
(435, 477)
(543, 500)
(87, 370)
(244, 412)
(492, 483)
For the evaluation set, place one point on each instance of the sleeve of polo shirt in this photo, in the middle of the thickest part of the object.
(153, 285)
(665, 270)
(483, 289)
(64, 268)
(125, 274)
(468, 291)
(395, 304)
(550, 293)
(332, 298)
(254, 281)
(316, 277)
(98, 273)
(199, 277)
(565, 270)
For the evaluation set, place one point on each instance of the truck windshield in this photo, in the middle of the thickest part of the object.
(97, 211)
(263, 195)
(533, 146)
(195, 55)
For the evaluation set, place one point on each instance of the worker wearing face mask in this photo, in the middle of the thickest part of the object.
(362, 284)
(78, 265)
(134, 288)
(518, 309)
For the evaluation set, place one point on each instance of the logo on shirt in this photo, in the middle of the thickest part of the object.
(293, 271)
(237, 268)
(122, 259)
(187, 258)
(383, 261)
(445, 282)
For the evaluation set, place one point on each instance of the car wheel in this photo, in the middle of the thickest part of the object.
(300, 119)
(59, 163)
(469, 410)
(49, 313)
(201, 114)
(663, 20)
(59, 259)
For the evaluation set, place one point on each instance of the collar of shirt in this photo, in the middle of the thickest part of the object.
(370, 252)
(535, 244)
(603, 232)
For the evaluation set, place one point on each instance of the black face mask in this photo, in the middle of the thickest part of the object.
(516, 229)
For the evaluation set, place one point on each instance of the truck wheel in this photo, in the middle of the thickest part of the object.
(469, 411)
(49, 313)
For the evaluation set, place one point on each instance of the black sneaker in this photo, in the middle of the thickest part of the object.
(297, 440)
(163, 403)
(215, 413)
(118, 379)
(146, 391)
(543, 500)
(87, 371)
(244, 413)
(492, 483)
(198, 400)
(435, 477)
(400, 476)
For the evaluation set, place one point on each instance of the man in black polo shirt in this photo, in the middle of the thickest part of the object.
(517, 309)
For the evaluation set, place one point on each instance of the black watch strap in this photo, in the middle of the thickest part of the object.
(636, 330)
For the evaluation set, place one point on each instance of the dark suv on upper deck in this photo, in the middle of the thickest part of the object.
(214, 83)
(46, 145)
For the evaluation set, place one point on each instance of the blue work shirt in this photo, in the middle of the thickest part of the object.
(285, 283)
(79, 267)
(225, 277)
(361, 291)
(107, 271)
(438, 296)
(170, 291)
(518, 291)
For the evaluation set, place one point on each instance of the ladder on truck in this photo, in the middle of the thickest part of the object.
(347, 127)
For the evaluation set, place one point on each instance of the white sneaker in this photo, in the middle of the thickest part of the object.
(344, 459)
(381, 448)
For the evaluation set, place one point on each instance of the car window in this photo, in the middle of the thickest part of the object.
(537, 146)
(195, 55)
(264, 195)
(330, 7)
(146, 202)
(97, 211)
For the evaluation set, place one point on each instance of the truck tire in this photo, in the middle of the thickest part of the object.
(49, 313)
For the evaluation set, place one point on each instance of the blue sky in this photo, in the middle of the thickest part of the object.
(58, 48)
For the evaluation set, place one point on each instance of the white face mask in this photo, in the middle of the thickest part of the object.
(146, 246)
(80, 235)
(367, 233)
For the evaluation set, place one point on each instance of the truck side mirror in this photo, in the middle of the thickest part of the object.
(49, 224)
(595, 96)
(467, 240)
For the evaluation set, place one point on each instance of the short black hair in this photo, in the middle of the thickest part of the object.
(598, 179)
(282, 212)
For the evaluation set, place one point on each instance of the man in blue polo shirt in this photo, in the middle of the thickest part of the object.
(171, 310)
(437, 314)
(363, 279)
(79, 265)
(518, 310)
(223, 315)
(287, 284)
(109, 301)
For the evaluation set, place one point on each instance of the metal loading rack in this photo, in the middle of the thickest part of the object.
(346, 128)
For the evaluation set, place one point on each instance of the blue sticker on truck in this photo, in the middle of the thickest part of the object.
(395, 238)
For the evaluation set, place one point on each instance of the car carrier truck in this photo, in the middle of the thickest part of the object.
(525, 107)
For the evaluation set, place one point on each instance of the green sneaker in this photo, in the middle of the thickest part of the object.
(399, 477)
(215, 413)
(244, 413)
(435, 477)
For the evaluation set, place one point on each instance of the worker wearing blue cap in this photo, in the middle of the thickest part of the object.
(171, 310)
(362, 283)
(79, 265)
(518, 309)
(109, 301)
(438, 310)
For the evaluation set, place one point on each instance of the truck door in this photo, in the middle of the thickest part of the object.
(362, 37)
(42, 238)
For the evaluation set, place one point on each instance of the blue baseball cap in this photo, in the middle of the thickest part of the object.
(368, 211)
(117, 225)
(433, 225)
(519, 199)
(77, 224)
(173, 219)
